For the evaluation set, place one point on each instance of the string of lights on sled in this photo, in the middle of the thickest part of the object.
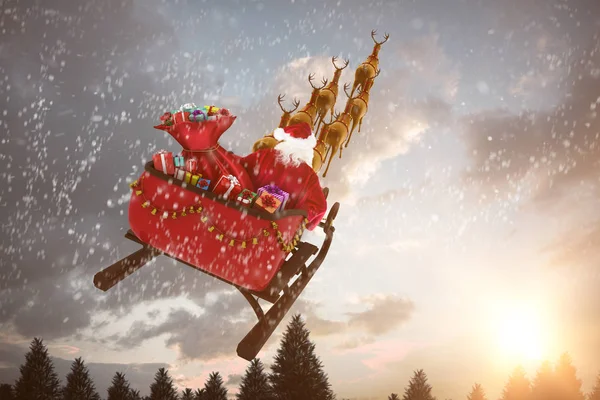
(197, 210)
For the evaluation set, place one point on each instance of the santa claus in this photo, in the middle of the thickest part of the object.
(289, 166)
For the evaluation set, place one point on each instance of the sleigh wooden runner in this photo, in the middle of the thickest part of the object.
(277, 287)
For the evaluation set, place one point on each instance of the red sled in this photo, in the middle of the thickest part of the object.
(257, 252)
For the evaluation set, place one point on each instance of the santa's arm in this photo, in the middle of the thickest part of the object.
(316, 204)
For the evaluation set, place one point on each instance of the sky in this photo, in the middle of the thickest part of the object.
(468, 236)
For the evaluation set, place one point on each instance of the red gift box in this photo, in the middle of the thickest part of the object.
(268, 202)
(191, 165)
(163, 161)
(227, 186)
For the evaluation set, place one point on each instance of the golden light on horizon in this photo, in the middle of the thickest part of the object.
(520, 333)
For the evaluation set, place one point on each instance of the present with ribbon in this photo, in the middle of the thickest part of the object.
(179, 161)
(246, 197)
(197, 116)
(268, 202)
(163, 161)
(203, 183)
(282, 195)
(179, 173)
(211, 110)
(227, 186)
(191, 165)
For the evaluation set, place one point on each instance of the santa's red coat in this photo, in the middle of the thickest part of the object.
(301, 182)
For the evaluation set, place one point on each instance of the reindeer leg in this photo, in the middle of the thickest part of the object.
(350, 136)
(329, 162)
(360, 122)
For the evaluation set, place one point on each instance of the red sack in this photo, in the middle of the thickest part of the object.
(200, 140)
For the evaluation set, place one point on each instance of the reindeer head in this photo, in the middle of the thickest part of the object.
(316, 90)
(338, 71)
(287, 114)
(378, 44)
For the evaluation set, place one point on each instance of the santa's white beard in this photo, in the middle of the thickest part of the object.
(291, 153)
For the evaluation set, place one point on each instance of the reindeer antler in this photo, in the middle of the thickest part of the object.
(386, 36)
(346, 86)
(333, 59)
(310, 78)
(295, 103)
(377, 73)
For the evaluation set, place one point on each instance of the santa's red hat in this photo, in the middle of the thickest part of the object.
(299, 134)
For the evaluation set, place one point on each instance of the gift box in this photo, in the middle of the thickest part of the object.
(198, 116)
(191, 165)
(282, 195)
(211, 110)
(246, 197)
(179, 173)
(203, 183)
(226, 186)
(179, 161)
(163, 161)
(268, 202)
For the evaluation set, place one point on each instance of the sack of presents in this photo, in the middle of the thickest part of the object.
(269, 198)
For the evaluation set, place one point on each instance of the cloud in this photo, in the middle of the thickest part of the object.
(382, 314)
(214, 333)
(233, 380)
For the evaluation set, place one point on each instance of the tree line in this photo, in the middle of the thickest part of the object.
(296, 374)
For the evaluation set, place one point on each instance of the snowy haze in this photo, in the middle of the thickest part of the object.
(470, 194)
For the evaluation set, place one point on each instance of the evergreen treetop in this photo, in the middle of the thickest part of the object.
(37, 379)
(255, 383)
(418, 388)
(297, 373)
(163, 388)
(188, 394)
(477, 393)
(214, 388)
(518, 386)
(79, 384)
(119, 389)
(595, 393)
(568, 386)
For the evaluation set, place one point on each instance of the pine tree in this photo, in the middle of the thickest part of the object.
(297, 373)
(79, 384)
(255, 383)
(214, 388)
(418, 388)
(187, 394)
(38, 379)
(595, 393)
(6, 391)
(543, 386)
(567, 384)
(119, 389)
(199, 394)
(393, 396)
(134, 395)
(518, 386)
(162, 388)
(477, 393)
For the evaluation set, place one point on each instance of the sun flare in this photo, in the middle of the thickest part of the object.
(520, 334)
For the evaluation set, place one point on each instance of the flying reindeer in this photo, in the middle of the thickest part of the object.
(327, 96)
(338, 130)
(268, 141)
(367, 69)
(360, 105)
(308, 112)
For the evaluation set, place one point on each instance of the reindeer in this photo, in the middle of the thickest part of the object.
(308, 112)
(338, 130)
(321, 150)
(360, 105)
(327, 96)
(367, 69)
(268, 141)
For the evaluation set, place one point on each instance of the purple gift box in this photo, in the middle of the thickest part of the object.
(278, 193)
